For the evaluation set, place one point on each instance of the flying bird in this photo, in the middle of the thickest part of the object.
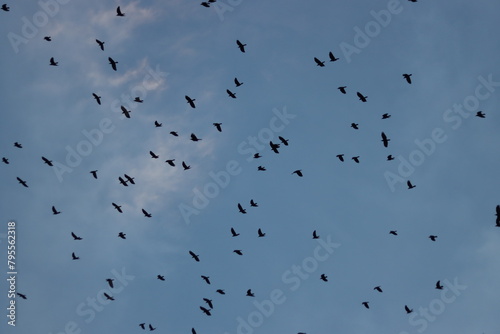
(386, 116)
(122, 235)
(158, 125)
(5, 7)
(394, 232)
(112, 62)
(206, 311)
(209, 302)
(74, 257)
(362, 98)
(274, 147)
(117, 207)
(354, 126)
(21, 181)
(332, 57)
(18, 145)
(365, 304)
(160, 277)
(253, 204)
(47, 161)
(122, 181)
(323, 277)
(205, 4)
(319, 62)
(231, 94)
(75, 237)
(385, 140)
(257, 156)
(5, 160)
(185, 166)
(315, 235)
(433, 237)
(238, 251)
(125, 111)
(439, 286)
(129, 179)
(206, 279)
(408, 310)
(498, 215)
(233, 232)
(101, 44)
(53, 62)
(151, 328)
(54, 211)
(48, 38)
(410, 185)
(250, 293)
(97, 98)
(341, 157)
(241, 46)
(298, 172)
(143, 325)
(283, 140)
(138, 99)
(261, 168)
(480, 114)
(173, 133)
(194, 256)
(108, 297)
(240, 208)
(356, 159)
(407, 78)
(146, 214)
(390, 157)
(218, 126)
(21, 295)
(190, 101)
(260, 233)
(342, 89)
(153, 155)
(237, 83)
(220, 291)
(110, 282)
(119, 12)
(194, 138)
(378, 288)
(170, 162)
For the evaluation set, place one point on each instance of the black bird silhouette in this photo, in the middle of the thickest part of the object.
(253, 204)
(439, 286)
(209, 302)
(260, 233)
(498, 215)
(220, 291)
(108, 297)
(110, 282)
(408, 310)
(378, 288)
(94, 173)
(146, 214)
(362, 98)
(233, 232)
(21, 181)
(138, 100)
(194, 138)
(47, 161)
(332, 57)
(5, 160)
(75, 237)
(324, 277)
(158, 125)
(365, 304)
(410, 185)
(160, 277)
(385, 140)
(237, 83)
(48, 38)
(129, 179)
(433, 237)
(342, 89)
(298, 172)
(74, 257)
(218, 126)
(112, 62)
(190, 101)
(21, 295)
(386, 116)
(205, 4)
(53, 62)
(231, 94)
(407, 78)
(97, 98)
(125, 111)
(319, 62)
(54, 211)
(356, 159)
(119, 12)
(261, 168)
(394, 232)
(170, 162)
(250, 293)
(18, 145)
(153, 155)
(480, 114)
(274, 147)
(206, 311)
(354, 126)
(315, 235)
(238, 251)
(101, 44)
(143, 325)
(240, 208)
(193, 331)
(185, 166)
(173, 133)
(257, 156)
(341, 157)
(206, 279)
(5, 7)
(194, 256)
(122, 181)
(390, 157)
(122, 235)
(151, 328)
(241, 46)
(283, 140)
(117, 207)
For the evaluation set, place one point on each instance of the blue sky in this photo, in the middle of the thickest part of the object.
(167, 50)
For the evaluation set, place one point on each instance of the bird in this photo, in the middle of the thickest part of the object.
(97, 98)
(378, 288)
(253, 204)
(365, 304)
(480, 114)
(362, 98)
(323, 277)
(298, 172)
(75, 237)
(21, 295)
(408, 310)
(54, 211)
(260, 233)
(206, 311)
(119, 12)
(319, 62)
(193, 331)
(407, 78)
(390, 157)
(274, 147)
(250, 293)
(47, 161)
(220, 291)
(342, 89)
(173, 133)
(315, 235)
(143, 325)
(385, 140)
(138, 99)
(101, 44)
(194, 256)
(240, 208)
(433, 237)
(283, 140)
(5, 160)
(110, 282)
(117, 207)
(122, 235)
(218, 126)
(386, 116)
(48, 38)
(160, 277)
(153, 155)
(112, 62)
(356, 159)
(237, 83)
(341, 157)
(125, 111)
(190, 101)
(332, 57)
(394, 232)
(261, 168)
(53, 62)
(158, 125)
(241, 46)
(439, 286)
(94, 173)
(170, 162)
(205, 4)
(18, 145)
(209, 302)
(206, 279)
(233, 232)
(257, 156)
(498, 215)
(74, 257)
(194, 138)
(355, 126)
(122, 181)
(5, 7)
(129, 179)
(146, 214)
(231, 94)
(238, 251)
(410, 185)
(21, 181)
(185, 166)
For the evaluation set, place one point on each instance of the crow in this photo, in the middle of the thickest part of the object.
(218, 126)
(240, 208)
(153, 155)
(47, 161)
(274, 147)
(190, 101)
(209, 302)
(433, 237)
(129, 179)
(439, 286)
(125, 111)
(231, 94)
(206, 279)
(237, 83)
(498, 215)
(53, 62)
(117, 207)
(480, 114)
(298, 172)
(5, 160)
(112, 62)
(390, 157)
(193, 331)
(361, 97)
(158, 125)
(257, 156)
(386, 116)
(324, 277)
(48, 38)
(332, 57)
(143, 325)
(250, 293)
(194, 256)
(101, 44)
(341, 157)
(119, 12)
(138, 100)
(394, 232)
(356, 159)
(319, 62)
(315, 235)
(22, 182)
(110, 282)
(261, 168)
(220, 291)
(173, 133)
(160, 277)
(94, 173)
(122, 181)
(205, 4)
(233, 232)
(75, 237)
(146, 214)
(170, 162)
(260, 233)
(185, 166)
(74, 257)
(342, 89)
(151, 328)
(378, 288)
(97, 98)
(194, 138)
(122, 235)
(54, 211)
(253, 204)
(354, 126)
(5, 7)
(18, 145)
(238, 251)
(407, 78)
(283, 140)
(385, 140)
(206, 311)
(241, 46)
(410, 185)
(408, 310)
(21, 295)
(365, 304)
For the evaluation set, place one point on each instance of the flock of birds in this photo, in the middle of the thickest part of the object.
(127, 180)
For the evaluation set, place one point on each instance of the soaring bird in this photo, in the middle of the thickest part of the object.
(193, 331)
(194, 256)
(48, 38)
(170, 162)
(112, 62)
(185, 166)
(5, 7)
(138, 99)
(257, 156)
(97, 98)
(355, 126)
(253, 204)
(260, 233)
(5, 160)
(146, 214)
(129, 179)
(365, 304)
(194, 138)
(206, 311)
(205, 4)
(21, 295)
(122, 181)
(394, 232)
(332, 57)
(386, 116)
(433, 237)
(119, 12)
(190, 101)
(110, 282)
(407, 78)
(233, 232)
(101, 44)
(390, 157)
(54, 210)
(153, 155)
(342, 89)
(151, 328)
(250, 293)
(238, 251)
(274, 147)
(323, 277)
(209, 302)
(158, 125)
(315, 235)
(220, 291)
(378, 288)
(143, 325)
(480, 114)
(47, 161)
(283, 140)
(237, 83)
(125, 111)
(319, 62)
(362, 98)
(498, 215)
(410, 185)
(75, 237)
(408, 310)
(231, 94)
(218, 126)
(298, 172)
(117, 207)
(206, 279)
(53, 62)
(385, 140)
(21, 181)
(74, 257)
(356, 159)
(439, 286)
(160, 277)
(341, 157)
(240, 208)
(241, 46)
(18, 145)
(174, 133)
(108, 297)
(261, 168)
(122, 235)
